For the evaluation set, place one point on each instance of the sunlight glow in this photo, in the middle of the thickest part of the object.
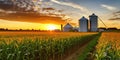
(51, 27)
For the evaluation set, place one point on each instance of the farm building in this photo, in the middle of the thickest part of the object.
(83, 24)
(93, 23)
(67, 27)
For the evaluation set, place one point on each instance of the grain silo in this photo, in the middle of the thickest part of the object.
(93, 23)
(83, 24)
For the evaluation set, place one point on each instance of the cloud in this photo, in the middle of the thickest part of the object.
(18, 5)
(31, 17)
(23, 11)
(116, 16)
(117, 12)
(108, 7)
(83, 9)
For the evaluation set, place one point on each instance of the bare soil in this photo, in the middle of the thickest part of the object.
(75, 54)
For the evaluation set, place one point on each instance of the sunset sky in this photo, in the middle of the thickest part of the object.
(107, 10)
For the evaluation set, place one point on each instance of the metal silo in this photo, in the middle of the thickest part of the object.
(83, 24)
(93, 22)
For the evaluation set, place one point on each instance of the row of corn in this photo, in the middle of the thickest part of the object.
(108, 47)
(47, 48)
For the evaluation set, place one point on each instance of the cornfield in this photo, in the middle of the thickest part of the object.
(39, 45)
(108, 47)
(58, 45)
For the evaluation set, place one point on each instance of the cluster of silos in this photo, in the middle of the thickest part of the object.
(84, 23)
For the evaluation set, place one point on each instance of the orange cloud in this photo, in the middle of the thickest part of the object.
(24, 11)
(31, 17)
(116, 16)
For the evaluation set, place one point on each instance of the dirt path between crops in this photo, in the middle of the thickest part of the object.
(74, 56)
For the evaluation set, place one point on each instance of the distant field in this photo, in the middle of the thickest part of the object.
(59, 45)
(40, 35)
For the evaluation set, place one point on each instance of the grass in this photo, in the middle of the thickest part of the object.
(86, 54)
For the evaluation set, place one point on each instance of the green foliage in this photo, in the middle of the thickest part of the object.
(39, 49)
(87, 51)
(108, 53)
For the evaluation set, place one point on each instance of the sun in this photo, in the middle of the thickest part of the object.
(51, 27)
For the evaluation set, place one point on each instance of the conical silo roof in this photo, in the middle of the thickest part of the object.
(83, 18)
(93, 15)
